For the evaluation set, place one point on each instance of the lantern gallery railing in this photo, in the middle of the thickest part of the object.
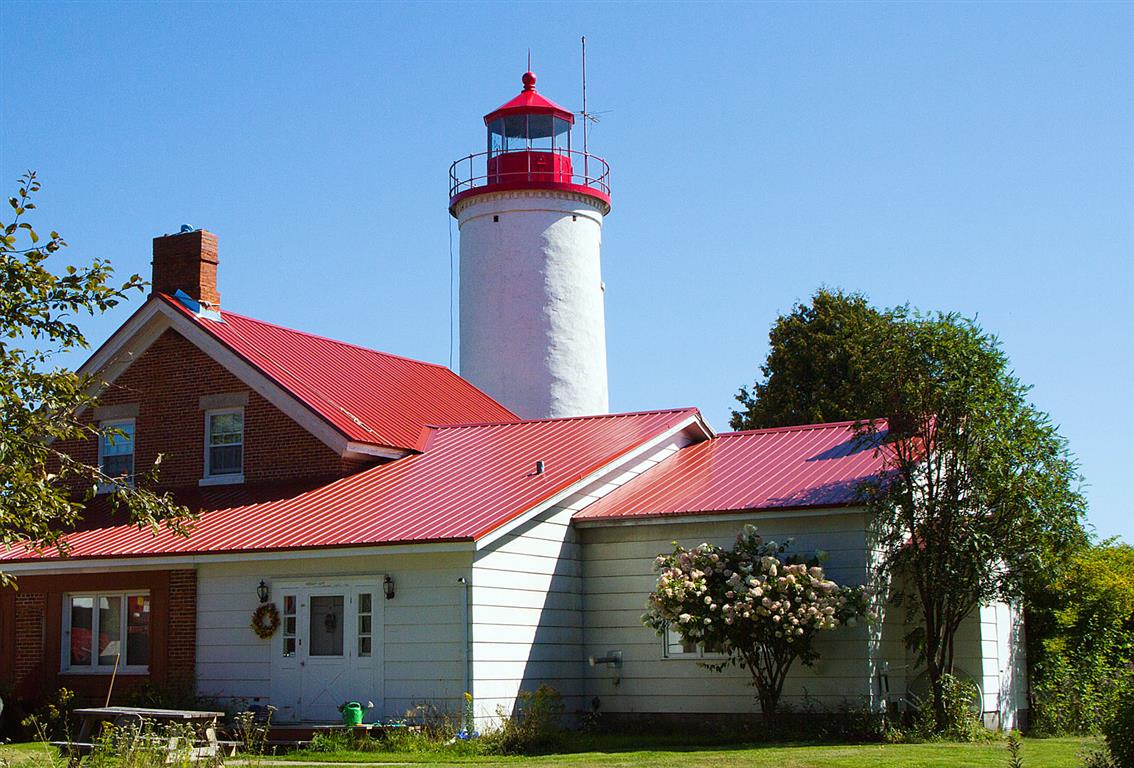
(537, 166)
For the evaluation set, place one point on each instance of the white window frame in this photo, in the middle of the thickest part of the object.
(673, 648)
(109, 424)
(66, 667)
(227, 479)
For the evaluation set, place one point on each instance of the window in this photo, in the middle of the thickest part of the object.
(365, 625)
(325, 631)
(224, 445)
(116, 448)
(289, 625)
(673, 647)
(101, 629)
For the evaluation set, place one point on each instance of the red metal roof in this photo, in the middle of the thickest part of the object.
(529, 102)
(470, 480)
(819, 465)
(371, 397)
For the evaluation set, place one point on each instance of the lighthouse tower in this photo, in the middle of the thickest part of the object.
(530, 211)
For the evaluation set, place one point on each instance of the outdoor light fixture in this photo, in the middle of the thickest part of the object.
(612, 660)
(262, 591)
(388, 587)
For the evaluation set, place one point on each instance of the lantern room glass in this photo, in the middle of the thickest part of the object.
(522, 133)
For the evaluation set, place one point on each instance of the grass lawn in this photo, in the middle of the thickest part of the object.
(28, 755)
(640, 752)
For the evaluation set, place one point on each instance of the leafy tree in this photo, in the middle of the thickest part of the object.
(40, 402)
(978, 497)
(814, 370)
(1085, 618)
(977, 488)
(750, 602)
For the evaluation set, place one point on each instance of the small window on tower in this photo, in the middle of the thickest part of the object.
(496, 137)
(562, 134)
(540, 130)
(516, 133)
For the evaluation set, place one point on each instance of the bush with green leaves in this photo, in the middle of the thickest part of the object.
(962, 721)
(52, 720)
(1081, 638)
(760, 608)
(535, 726)
(1118, 730)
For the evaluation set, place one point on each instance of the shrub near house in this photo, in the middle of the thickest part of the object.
(761, 609)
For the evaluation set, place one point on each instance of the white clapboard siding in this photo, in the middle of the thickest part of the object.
(1002, 669)
(618, 574)
(422, 632)
(527, 601)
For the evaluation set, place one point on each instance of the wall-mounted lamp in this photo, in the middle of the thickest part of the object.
(262, 592)
(388, 587)
(611, 659)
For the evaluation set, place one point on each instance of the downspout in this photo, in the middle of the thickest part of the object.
(468, 641)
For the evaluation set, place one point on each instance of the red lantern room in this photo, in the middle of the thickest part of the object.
(529, 147)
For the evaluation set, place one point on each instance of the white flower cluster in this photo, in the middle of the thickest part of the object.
(746, 595)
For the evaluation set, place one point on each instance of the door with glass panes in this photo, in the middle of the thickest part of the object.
(328, 648)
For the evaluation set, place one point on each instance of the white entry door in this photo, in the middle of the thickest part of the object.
(328, 650)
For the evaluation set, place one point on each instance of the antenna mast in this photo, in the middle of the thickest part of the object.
(585, 116)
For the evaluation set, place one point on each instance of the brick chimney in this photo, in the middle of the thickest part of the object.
(187, 261)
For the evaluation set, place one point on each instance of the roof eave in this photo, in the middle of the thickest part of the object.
(805, 510)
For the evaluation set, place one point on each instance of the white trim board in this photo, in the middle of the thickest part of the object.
(693, 420)
(166, 562)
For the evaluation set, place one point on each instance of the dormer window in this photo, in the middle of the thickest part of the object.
(116, 449)
(224, 446)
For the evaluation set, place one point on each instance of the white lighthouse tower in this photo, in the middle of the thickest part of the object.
(530, 211)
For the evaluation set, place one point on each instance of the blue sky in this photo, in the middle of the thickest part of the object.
(967, 157)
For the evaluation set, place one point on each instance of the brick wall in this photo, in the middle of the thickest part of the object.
(166, 383)
(30, 618)
(182, 641)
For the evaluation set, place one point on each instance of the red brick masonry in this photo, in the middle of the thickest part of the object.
(31, 623)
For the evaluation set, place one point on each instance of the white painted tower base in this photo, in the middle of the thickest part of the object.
(532, 329)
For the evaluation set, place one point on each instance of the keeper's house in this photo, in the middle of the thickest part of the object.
(420, 534)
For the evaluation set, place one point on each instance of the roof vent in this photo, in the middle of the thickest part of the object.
(539, 467)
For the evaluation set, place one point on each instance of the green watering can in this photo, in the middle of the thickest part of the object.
(352, 713)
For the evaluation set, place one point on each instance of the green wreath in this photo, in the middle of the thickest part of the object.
(266, 620)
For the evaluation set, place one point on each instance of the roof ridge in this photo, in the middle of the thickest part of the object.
(798, 427)
(690, 409)
(249, 318)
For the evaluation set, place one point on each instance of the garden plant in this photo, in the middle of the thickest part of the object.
(760, 608)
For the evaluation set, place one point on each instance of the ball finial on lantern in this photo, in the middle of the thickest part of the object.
(529, 81)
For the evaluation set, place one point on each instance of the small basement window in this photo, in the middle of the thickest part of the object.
(673, 647)
(224, 446)
(105, 628)
(116, 450)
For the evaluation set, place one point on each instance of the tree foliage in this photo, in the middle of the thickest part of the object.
(978, 494)
(977, 487)
(761, 609)
(1084, 619)
(815, 366)
(41, 402)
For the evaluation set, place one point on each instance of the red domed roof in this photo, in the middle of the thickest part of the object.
(529, 102)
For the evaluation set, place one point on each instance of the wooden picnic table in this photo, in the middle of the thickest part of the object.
(204, 723)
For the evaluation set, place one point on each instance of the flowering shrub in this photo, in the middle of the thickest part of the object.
(751, 603)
